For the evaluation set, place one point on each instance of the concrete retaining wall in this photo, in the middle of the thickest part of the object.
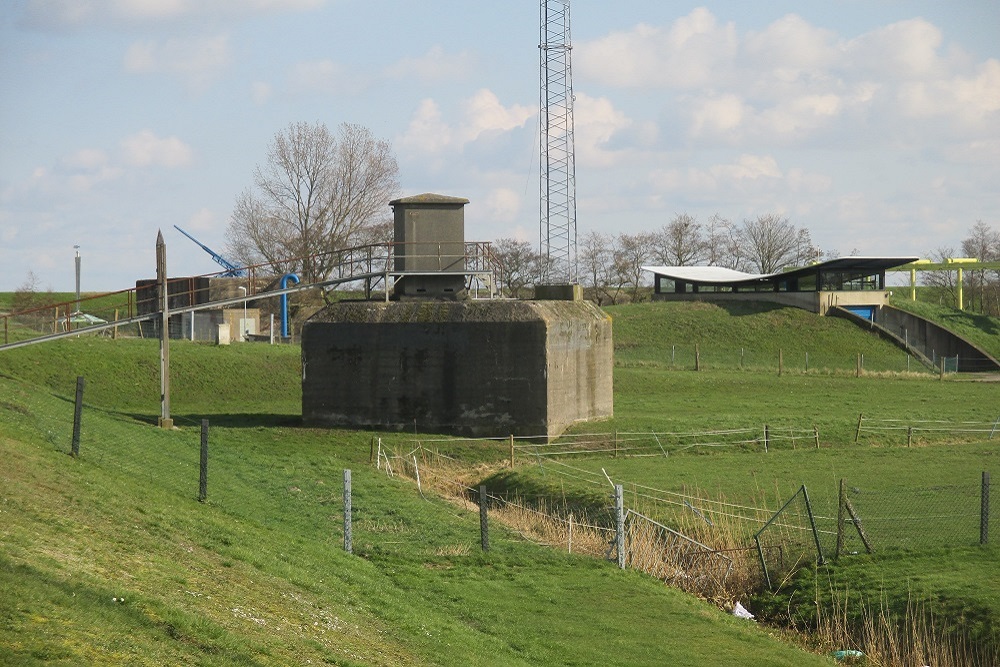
(478, 368)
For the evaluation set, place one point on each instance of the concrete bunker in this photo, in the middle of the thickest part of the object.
(433, 360)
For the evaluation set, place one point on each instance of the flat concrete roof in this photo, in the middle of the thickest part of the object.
(717, 275)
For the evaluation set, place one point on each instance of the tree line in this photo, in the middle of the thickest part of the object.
(320, 191)
(610, 265)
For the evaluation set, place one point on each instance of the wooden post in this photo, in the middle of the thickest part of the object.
(114, 332)
(697, 357)
(816, 435)
(767, 436)
(203, 466)
(909, 436)
(348, 537)
(511, 451)
(941, 377)
(807, 362)
(620, 525)
(984, 510)
(161, 279)
(77, 415)
(841, 506)
(857, 524)
(791, 432)
(742, 351)
(616, 443)
(569, 541)
(857, 434)
(484, 527)
(781, 362)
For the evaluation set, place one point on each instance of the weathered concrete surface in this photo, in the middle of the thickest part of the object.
(482, 368)
(934, 341)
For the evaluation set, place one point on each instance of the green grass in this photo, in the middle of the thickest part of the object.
(982, 330)
(257, 574)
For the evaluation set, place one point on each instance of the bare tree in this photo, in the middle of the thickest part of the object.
(630, 253)
(983, 243)
(314, 195)
(596, 260)
(521, 264)
(945, 282)
(720, 245)
(768, 243)
(680, 242)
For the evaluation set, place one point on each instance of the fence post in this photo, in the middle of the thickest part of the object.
(857, 434)
(984, 510)
(348, 538)
(941, 376)
(77, 415)
(484, 527)
(781, 361)
(511, 451)
(569, 541)
(697, 357)
(203, 464)
(767, 437)
(816, 435)
(620, 525)
(616, 443)
(841, 502)
(909, 435)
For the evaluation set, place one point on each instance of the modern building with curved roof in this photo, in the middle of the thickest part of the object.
(854, 283)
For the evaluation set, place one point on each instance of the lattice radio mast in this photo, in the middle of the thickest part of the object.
(557, 235)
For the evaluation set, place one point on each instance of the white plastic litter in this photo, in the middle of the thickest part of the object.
(741, 612)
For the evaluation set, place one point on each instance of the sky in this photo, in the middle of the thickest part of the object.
(874, 124)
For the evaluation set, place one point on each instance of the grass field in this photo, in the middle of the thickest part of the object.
(109, 559)
(257, 574)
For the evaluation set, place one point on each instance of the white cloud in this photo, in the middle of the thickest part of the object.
(79, 14)
(899, 51)
(597, 122)
(198, 61)
(503, 205)
(146, 149)
(687, 53)
(433, 66)
(429, 132)
(967, 98)
(483, 112)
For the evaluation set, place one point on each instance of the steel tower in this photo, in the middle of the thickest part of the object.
(557, 235)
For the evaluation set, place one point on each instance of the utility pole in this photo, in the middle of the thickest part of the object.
(161, 280)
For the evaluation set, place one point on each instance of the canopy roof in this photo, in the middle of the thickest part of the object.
(717, 275)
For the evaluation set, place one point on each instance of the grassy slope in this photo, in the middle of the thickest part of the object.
(257, 575)
(982, 330)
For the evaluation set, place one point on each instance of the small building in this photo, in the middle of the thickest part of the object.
(434, 360)
(201, 324)
(856, 284)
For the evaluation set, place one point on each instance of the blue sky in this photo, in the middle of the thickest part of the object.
(873, 123)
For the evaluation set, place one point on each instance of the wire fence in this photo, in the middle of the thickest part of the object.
(708, 545)
(697, 357)
(919, 431)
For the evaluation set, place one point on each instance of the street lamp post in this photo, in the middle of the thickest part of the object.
(243, 326)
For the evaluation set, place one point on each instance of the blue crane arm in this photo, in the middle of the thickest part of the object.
(231, 269)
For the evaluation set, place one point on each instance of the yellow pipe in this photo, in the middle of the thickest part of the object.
(960, 303)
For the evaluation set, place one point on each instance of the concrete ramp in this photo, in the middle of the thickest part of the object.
(927, 341)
